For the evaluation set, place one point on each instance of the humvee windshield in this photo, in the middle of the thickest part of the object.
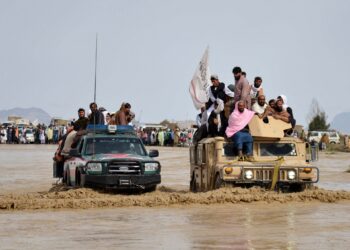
(114, 145)
(277, 149)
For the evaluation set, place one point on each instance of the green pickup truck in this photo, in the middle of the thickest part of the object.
(111, 157)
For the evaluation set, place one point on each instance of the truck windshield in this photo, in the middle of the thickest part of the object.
(114, 145)
(277, 149)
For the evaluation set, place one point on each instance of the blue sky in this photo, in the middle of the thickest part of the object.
(148, 51)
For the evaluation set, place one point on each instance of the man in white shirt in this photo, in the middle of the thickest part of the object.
(260, 106)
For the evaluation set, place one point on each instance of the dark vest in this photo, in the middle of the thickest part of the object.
(219, 92)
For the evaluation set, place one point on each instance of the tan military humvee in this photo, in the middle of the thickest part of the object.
(278, 162)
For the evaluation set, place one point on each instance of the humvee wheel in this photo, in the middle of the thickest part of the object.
(218, 182)
(193, 184)
(297, 187)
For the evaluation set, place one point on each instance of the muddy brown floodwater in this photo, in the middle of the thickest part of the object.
(37, 215)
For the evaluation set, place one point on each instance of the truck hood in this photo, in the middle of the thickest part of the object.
(109, 157)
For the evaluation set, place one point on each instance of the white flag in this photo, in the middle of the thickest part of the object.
(199, 86)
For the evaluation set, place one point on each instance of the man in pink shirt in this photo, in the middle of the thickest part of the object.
(238, 130)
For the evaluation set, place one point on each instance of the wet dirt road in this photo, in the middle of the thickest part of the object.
(170, 218)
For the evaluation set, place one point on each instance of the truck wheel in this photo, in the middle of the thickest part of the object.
(296, 187)
(151, 188)
(218, 182)
(67, 178)
(64, 178)
(79, 180)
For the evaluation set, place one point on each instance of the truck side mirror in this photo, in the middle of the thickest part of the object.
(153, 153)
(74, 152)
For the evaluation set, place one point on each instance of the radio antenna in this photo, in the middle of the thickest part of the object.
(95, 68)
(95, 83)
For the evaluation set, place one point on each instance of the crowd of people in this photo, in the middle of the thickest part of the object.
(40, 134)
(166, 137)
(52, 134)
(230, 109)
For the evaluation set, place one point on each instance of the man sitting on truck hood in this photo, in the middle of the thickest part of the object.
(237, 129)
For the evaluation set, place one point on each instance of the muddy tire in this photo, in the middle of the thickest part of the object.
(79, 182)
(151, 188)
(294, 188)
(219, 183)
(67, 178)
(193, 185)
(64, 178)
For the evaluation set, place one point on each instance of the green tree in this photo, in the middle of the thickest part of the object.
(318, 118)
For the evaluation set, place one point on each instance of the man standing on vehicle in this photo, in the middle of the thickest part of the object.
(218, 90)
(242, 88)
(122, 116)
(219, 94)
(96, 116)
(82, 121)
(256, 89)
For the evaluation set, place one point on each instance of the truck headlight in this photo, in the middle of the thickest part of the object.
(248, 174)
(94, 167)
(151, 166)
(291, 174)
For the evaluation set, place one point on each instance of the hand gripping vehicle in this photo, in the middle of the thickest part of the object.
(111, 157)
(278, 162)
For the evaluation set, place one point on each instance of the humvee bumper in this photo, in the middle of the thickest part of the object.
(265, 175)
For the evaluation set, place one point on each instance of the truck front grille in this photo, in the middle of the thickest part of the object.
(263, 174)
(132, 168)
(266, 174)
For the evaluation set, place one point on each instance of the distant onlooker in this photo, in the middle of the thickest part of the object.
(49, 133)
(324, 141)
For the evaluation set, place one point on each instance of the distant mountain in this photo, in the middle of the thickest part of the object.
(341, 123)
(31, 114)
